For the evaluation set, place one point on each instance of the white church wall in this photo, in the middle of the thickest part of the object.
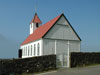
(48, 46)
(31, 28)
(26, 49)
(61, 46)
(75, 46)
(62, 30)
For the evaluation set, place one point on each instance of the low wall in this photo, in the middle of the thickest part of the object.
(30, 65)
(84, 58)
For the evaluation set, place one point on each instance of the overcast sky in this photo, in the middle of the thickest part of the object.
(15, 17)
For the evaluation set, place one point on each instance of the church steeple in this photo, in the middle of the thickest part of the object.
(36, 19)
(35, 23)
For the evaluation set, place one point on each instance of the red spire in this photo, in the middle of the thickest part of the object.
(36, 19)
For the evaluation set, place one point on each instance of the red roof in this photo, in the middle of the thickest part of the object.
(41, 31)
(36, 19)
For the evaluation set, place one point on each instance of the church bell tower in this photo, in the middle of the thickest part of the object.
(35, 23)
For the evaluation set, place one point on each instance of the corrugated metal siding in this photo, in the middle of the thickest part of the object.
(48, 46)
(74, 46)
(62, 31)
(61, 46)
(62, 21)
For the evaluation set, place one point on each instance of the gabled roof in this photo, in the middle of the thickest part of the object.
(36, 19)
(41, 31)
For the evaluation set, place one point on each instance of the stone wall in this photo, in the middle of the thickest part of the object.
(30, 65)
(84, 58)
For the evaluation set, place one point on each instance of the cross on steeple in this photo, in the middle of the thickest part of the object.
(35, 6)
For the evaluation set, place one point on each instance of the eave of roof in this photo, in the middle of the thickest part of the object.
(43, 30)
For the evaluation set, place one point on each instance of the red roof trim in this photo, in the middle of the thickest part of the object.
(41, 31)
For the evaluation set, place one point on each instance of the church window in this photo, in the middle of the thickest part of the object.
(38, 49)
(37, 25)
(28, 50)
(24, 51)
(31, 50)
(34, 49)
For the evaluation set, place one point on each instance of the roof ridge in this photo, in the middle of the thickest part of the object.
(52, 19)
(41, 31)
(48, 21)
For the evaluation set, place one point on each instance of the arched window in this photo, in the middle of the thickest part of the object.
(38, 49)
(24, 51)
(31, 50)
(28, 50)
(34, 49)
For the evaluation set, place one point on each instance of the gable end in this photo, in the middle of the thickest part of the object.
(62, 24)
(72, 28)
(52, 26)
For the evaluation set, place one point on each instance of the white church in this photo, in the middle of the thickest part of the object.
(54, 37)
